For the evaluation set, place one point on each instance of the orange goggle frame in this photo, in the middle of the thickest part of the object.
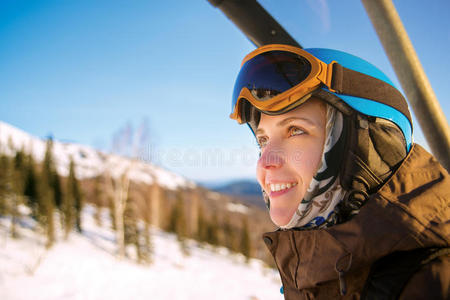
(320, 73)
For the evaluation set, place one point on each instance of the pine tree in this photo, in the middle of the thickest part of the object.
(17, 185)
(132, 234)
(98, 201)
(68, 205)
(47, 201)
(53, 184)
(75, 192)
(245, 240)
(31, 186)
(212, 231)
(19, 160)
(46, 207)
(57, 191)
(5, 183)
(58, 196)
(147, 247)
(129, 222)
(201, 225)
(8, 192)
(172, 225)
(14, 212)
(147, 250)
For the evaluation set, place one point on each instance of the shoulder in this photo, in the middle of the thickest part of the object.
(417, 196)
(432, 281)
(421, 189)
(418, 172)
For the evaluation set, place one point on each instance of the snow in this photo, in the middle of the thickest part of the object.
(85, 267)
(89, 162)
(236, 207)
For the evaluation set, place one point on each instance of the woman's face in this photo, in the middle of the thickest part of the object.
(291, 149)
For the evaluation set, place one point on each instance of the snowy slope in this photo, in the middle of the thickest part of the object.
(89, 162)
(84, 267)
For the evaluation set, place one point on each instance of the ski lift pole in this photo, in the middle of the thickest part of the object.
(255, 22)
(406, 64)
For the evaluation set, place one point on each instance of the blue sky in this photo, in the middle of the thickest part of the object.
(81, 69)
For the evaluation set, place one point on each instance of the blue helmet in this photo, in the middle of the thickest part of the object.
(367, 106)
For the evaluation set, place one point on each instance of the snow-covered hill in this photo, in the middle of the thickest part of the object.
(84, 267)
(89, 162)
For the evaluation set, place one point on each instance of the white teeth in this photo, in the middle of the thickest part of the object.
(279, 187)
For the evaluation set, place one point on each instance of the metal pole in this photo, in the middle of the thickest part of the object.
(255, 22)
(406, 64)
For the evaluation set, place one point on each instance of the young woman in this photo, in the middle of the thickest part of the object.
(363, 213)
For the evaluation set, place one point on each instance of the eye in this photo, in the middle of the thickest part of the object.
(262, 141)
(293, 131)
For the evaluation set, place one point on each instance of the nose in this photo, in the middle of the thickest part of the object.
(271, 158)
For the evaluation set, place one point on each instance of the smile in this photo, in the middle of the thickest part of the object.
(276, 187)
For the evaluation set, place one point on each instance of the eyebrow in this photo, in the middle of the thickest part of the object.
(288, 120)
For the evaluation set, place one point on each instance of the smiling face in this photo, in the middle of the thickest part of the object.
(291, 149)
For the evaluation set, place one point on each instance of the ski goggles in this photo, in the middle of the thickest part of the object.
(277, 78)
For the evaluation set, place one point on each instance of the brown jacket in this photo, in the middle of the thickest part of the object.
(410, 211)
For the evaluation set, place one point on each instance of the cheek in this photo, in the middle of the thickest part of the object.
(306, 163)
(313, 161)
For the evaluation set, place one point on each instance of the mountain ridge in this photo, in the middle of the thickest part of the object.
(89, 161)
(247, 191)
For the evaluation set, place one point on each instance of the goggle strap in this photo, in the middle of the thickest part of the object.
(336, 81)
(352, 83)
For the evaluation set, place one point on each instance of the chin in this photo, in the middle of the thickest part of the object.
(281, 217)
